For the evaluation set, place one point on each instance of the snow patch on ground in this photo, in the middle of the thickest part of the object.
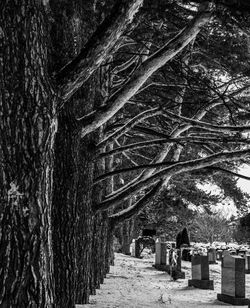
(134, 283)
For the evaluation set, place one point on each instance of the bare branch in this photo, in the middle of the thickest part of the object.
(177, 131)
(125, 65)
(127, 126)
(129, 169)
(230, 172)
(100, 46)
(207, 126)
(134, 146)
(140, 155)
(147, 68)
(130, 159)
(135, 208)
(220, 139)
(191, 139)
(143, 129)
(150, 131)
(177, 168)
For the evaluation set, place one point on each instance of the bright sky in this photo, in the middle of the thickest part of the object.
(244, 184)
(226, 207)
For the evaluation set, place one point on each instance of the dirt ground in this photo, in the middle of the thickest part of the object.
(135, 283)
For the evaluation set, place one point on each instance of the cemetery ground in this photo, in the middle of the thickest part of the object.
(134, 283)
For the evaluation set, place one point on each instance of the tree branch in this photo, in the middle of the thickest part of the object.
(127, 126)
(134, 146)
(230, 172)
(176, 133)
(143, 129)
(234, 5)
(135, 208)
(191, 139)
(100, 46)
(207, 126)
(146, 69)
(123, 170)
(125, 65)
(150, 131)
(177, 168)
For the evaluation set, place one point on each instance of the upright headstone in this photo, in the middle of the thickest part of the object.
(200, 273)
(160, 253)
(137, 248)
(211, 256)
(247, 267)
(132, 248)
(157, 251)
(233, 281)
(178, 252)
(163, 253)
(225, 253)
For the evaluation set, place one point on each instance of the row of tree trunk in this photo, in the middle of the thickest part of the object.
(54, 248)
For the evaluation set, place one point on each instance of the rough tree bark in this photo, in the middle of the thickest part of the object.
(28, 125)
(64, 212)
(84, 220)
(73, 219)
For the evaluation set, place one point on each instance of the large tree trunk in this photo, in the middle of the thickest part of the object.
(72, 202)
(64, 211)
(72, 207)
(28, 125)
(85, 220)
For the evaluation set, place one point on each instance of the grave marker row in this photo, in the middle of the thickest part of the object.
(232, 275)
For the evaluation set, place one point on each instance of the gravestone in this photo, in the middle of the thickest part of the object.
(179, 253)
(211, 253)
(233, 281)
(132, 248)
(211, 256)
(247, 267)
(200, 273)
(137, 248)
(160, 254)
(225, 253)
